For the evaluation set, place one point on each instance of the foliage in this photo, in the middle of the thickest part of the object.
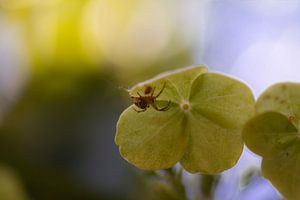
(201, 129)
(163, 185)
(274, 134)
(11, 187)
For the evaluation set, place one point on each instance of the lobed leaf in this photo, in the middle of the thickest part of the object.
(201, 129)
(269, 133)
(151, 141)
(283, 171)
(283, 98)
(274, 134)
(178, 84)
(219, 108)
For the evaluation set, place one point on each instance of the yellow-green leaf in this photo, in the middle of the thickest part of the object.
(283, 170)
(219, 108)
(201, 127)
(269, 133)
(274, 134)
(152, 140)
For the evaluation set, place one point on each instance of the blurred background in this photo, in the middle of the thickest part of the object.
(64, 65)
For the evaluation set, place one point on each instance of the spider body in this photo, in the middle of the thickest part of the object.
(148, 89)
(291, 118)
(144, 102)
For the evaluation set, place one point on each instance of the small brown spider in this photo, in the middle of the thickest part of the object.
(291, 118)
(144, 102)
(147, 89)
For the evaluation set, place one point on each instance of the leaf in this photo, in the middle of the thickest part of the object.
(219, 108)
(283, 98)
(274, 134)
(269, 133)
(283, 171)
(150, 140)
(178, 83)
(157, 140)
(12, 187)
(201, 128)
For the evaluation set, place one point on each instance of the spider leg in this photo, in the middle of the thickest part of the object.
(138, 111)
(166, 107)
(152, 92)
(139, 94)
(162, 89)
(161, 109)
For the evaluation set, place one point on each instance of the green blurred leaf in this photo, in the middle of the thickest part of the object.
(249, 175)
(201, 129)
(163, 185)
(208, 185)
(11, 187)
(274, 134)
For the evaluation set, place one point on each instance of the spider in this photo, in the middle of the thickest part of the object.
(144, 102)
(147, 89)
(291, 118)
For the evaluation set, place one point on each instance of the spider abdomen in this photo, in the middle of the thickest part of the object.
(144, 102)
(140, 102)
